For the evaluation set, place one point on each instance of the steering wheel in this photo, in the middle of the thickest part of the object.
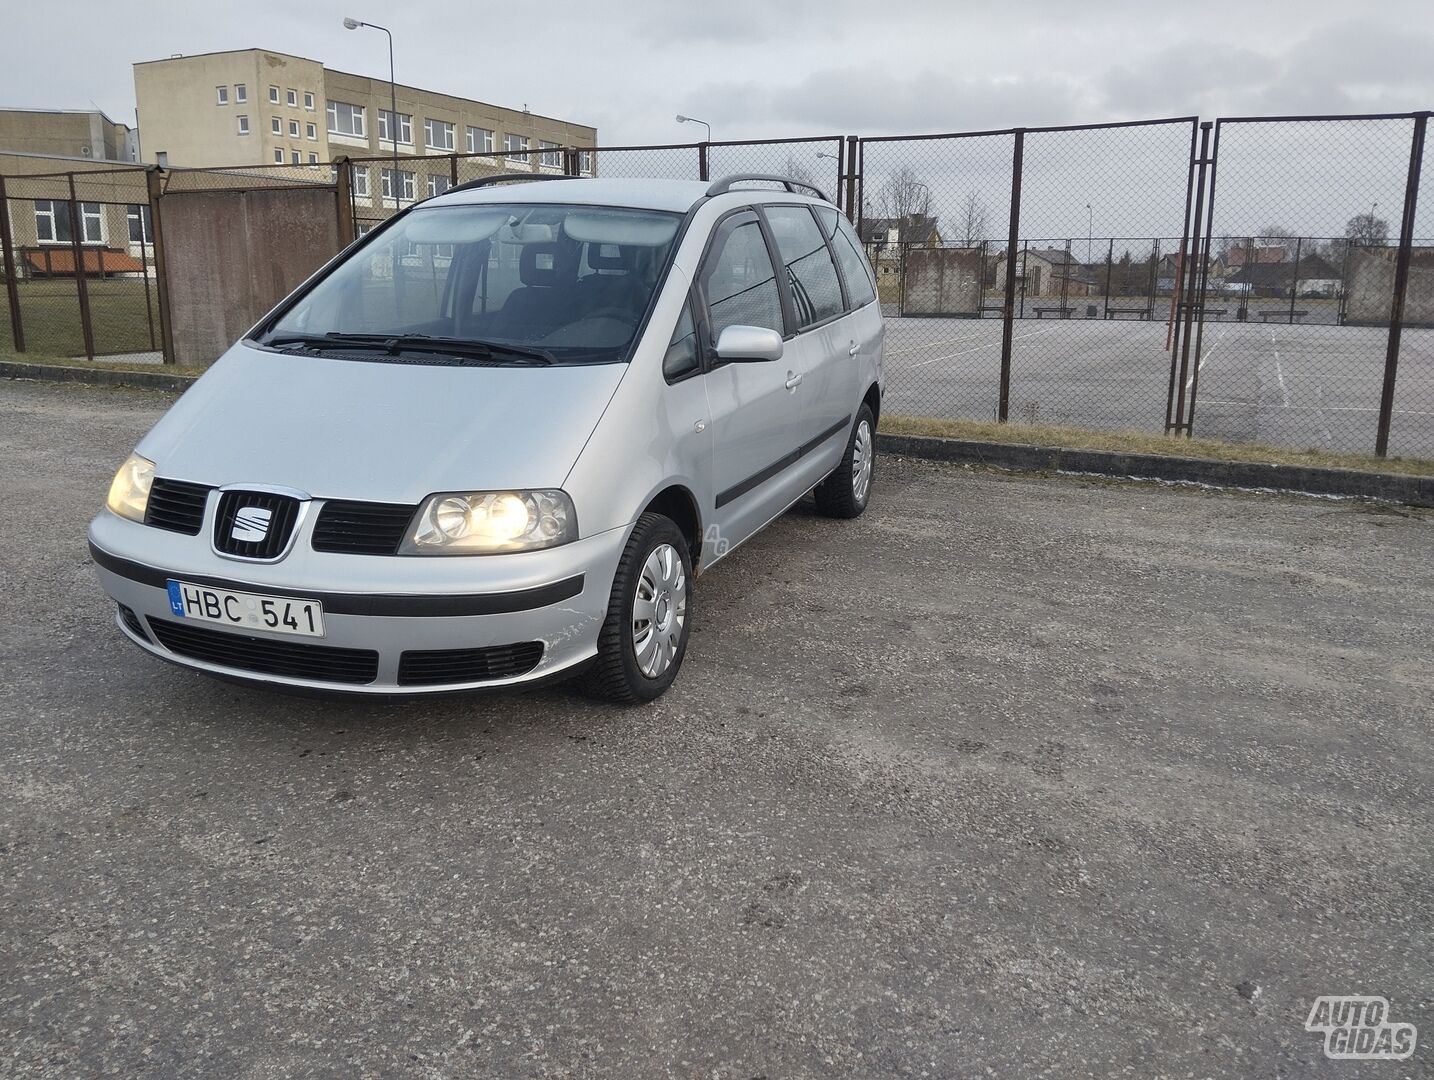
(620, 314)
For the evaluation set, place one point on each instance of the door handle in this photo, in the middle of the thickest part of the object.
(793, 380)
(855, 348)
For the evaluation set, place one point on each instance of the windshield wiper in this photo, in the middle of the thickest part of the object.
(393, 344)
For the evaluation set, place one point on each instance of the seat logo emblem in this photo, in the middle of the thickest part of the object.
(251, 524)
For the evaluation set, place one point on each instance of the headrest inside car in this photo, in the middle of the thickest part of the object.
(609, 257)
(544, 264)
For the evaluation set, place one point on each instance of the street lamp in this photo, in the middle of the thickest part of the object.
(1089, 231)
(693, 120)
(354, 24)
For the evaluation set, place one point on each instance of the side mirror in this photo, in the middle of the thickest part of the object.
(749, 344)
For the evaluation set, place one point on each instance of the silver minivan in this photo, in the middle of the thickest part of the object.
(493, 442)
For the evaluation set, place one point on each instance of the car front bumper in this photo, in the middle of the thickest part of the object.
(388, 605)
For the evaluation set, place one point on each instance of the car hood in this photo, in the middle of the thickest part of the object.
(380, 432)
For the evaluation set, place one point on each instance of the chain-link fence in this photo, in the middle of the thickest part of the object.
(1246, 279)
(1301, 247)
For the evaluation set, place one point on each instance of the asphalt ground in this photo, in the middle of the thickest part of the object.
(1303, 386)
(1014, 776)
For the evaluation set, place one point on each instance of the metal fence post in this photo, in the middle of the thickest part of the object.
(1295, 279)
(344, 200)
(1191, 283)
(702, 161)
(851, 178)
(1213, 166)
(12, 284)
(81, 286)
(1008, 309)
(161, 281)
(453, 169)
(1109, 265)
(1401, 283)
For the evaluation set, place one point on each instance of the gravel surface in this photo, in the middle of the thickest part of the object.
(1014, 776)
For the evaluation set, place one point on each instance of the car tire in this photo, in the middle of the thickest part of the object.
(845, 493)
(654, 578)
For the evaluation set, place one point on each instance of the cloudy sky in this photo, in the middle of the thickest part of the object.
(765, 68)
(788, 68)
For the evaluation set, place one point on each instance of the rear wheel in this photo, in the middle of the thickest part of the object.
(845, 492)
(644, 636)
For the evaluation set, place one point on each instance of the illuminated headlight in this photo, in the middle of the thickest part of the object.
(129, 493)
(486, 522)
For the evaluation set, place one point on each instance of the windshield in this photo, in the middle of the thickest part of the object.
(489, 283)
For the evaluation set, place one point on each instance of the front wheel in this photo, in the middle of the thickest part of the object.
(644, 636)
(844, 493)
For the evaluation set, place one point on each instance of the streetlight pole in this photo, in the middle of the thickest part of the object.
(354, 24)
(1089, 231)
(693, 120)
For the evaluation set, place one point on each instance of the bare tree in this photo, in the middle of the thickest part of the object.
(903, 196)
(1367, 229)
(972, 224)
(796, 170)
(1275, 232)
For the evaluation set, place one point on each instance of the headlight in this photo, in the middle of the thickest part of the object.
(487, 522)
(129, 493)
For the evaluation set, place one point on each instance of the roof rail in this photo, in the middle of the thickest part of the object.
(721, 187)
(503, 178)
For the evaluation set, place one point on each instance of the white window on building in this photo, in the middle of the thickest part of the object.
(362, 228)
(480, 141)
(516, 147)
(276, 126)
(137, 217)
(386, 126)
(585, 162)
(346, 119)
(221, 95)
(309, 100)
(359, 175)
(405, 184)
(292, 97)
(312, 132)
(295, 158)
(52, 222)
(243, 124)
(552, 154)
(274, 95)
(437, 184)
(313, 158)
(293, 129)
(279, 156)
(241, 93)
(438, 135)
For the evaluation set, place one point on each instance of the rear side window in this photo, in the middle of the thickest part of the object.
(811, 274)
(739, 281)
(854, 267)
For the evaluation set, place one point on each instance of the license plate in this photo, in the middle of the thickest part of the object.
(252, 611)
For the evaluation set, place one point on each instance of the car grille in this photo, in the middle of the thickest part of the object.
(362, 528)
(283, 513)
(268, 656)
(176, 506)
(433, 667)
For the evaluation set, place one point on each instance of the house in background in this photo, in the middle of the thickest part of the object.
(886, 238)
(1053, 272)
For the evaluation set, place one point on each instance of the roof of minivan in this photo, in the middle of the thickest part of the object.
(677, 195)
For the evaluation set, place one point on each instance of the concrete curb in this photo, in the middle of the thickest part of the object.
(1309, 480)
(152, 380)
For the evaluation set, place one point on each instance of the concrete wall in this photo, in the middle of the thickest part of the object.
(942, 281)
(232, 255)
(1370, 287)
